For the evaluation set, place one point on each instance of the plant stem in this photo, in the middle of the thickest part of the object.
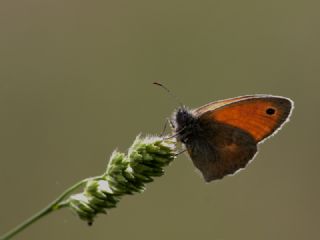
(55, 205)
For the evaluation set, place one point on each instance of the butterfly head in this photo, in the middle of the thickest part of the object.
(184, 123)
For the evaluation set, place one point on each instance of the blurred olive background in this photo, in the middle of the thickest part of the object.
(75, 83)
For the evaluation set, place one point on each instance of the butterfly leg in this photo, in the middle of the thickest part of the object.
(168, 121)
(171, 123)
(164, 127)
(180, 152)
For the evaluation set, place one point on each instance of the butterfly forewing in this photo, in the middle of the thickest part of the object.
(260, 116)
(214, 105)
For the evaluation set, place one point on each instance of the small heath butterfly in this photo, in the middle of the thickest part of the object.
(221, 137)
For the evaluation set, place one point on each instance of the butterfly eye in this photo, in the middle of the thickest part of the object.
(270, 111)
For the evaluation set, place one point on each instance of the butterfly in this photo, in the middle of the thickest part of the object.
(222, 137)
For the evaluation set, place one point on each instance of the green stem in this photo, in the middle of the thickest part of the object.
(55, 205)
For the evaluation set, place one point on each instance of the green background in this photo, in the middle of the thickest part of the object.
(75, 83)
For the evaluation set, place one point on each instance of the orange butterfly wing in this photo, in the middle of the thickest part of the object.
(216, 104)
(259, 115)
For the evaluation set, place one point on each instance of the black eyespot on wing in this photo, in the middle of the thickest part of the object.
(270, 111)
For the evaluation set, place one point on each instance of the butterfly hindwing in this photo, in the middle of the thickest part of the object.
(221, 150)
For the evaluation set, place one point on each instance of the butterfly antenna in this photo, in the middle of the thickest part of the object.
(169, 92)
